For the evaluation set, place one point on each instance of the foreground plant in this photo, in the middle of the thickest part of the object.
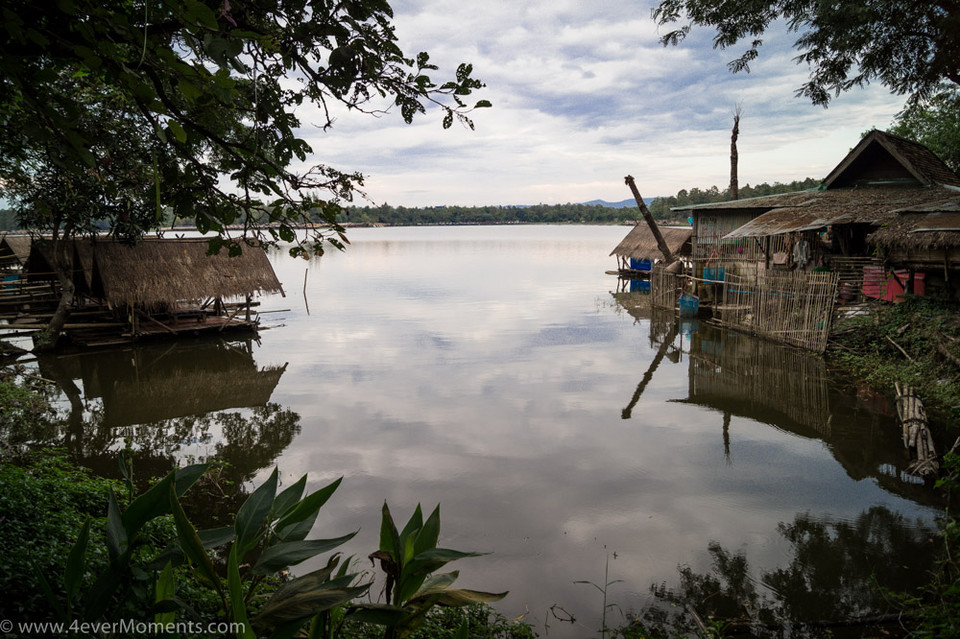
(409, 559)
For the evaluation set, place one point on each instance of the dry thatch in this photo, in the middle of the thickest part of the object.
(922, 228)
(642, 245)
(162, 272)
(156, 273)
(16, 246)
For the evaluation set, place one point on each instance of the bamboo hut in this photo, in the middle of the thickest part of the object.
(881, 175)
(637, 252)
(158, 286)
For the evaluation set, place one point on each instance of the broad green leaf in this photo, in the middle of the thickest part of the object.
(288, 497)
(379, 614)
(52, 599)
(429, 534)
(75, 562)
(165, 589)
(304, 510)
(191, 545)
(413, 526)
(308, 581)
(463, 632)
(238, 607)
(216, 537)
(116, 535)
(303, 605)
(457, 597)
(389, 537)
(156, 501)
(283, 555)
(440, 581)
(253, 513)
(177, 130)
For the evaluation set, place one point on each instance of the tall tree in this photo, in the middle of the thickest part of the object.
(201, 97)
(911, 46)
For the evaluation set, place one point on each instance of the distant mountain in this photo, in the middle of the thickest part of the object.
(622, 204)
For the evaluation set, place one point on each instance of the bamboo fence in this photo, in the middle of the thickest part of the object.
(793, 308)
(664, 288)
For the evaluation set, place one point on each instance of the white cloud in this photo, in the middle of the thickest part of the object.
(583, 94)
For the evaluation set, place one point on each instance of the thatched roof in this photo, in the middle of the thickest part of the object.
(159, 272)
(935, 226)
(16, 245)
(819, 209)
(880, 156)
(642, 245)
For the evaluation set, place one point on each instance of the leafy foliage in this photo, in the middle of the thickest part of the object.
(935, 123)
(410, 559)
(911, 47)
(189, 107)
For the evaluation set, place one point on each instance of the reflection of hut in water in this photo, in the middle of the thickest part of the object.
(760, 380)
(159, 382)
(158, 286)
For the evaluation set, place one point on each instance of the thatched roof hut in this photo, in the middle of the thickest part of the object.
(161, 272)
(14, 249)
(640, 244)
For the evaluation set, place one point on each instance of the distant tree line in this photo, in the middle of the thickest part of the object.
(535, 214)
(660, 207)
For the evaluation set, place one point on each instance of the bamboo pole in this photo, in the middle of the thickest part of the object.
(916, 433)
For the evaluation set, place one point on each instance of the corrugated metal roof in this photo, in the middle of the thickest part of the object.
(843, 206)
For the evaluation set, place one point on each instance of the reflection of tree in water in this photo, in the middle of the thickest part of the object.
(836, 580)
(171, 402)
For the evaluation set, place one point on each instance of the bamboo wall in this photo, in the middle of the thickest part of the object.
(792, 308)
(664, 288)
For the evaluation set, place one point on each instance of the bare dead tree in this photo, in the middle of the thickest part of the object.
(734, 156)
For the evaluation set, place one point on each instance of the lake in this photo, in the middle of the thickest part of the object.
(562, 425)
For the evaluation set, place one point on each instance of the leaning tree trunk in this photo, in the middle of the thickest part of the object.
(47, 339)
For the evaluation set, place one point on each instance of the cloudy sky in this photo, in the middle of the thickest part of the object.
(583, 95)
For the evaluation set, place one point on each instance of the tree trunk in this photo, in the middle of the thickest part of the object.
(734, 156)
(47, 339)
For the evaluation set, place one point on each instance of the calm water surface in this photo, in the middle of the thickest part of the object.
(493, 370)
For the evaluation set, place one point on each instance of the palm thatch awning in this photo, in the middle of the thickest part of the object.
(642, 245)
(922, 228)
(161, 272)
(158, 272)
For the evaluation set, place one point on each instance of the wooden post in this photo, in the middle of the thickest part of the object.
(652, 223)
(916, 433)
(734, 156)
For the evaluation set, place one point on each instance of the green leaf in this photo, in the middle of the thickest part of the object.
(73, 574)
(166, 587)
(116, 534)
(290, 496)
(191, 545)
(253, 513)
(281, 556)
(462, 597)
(413, 525)
(389, 537)
(177, 130)
(216, 537)
(304, 511)
(379, 614)
(238, 606)
(156, 501)
(429, 534)
(304, 605)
